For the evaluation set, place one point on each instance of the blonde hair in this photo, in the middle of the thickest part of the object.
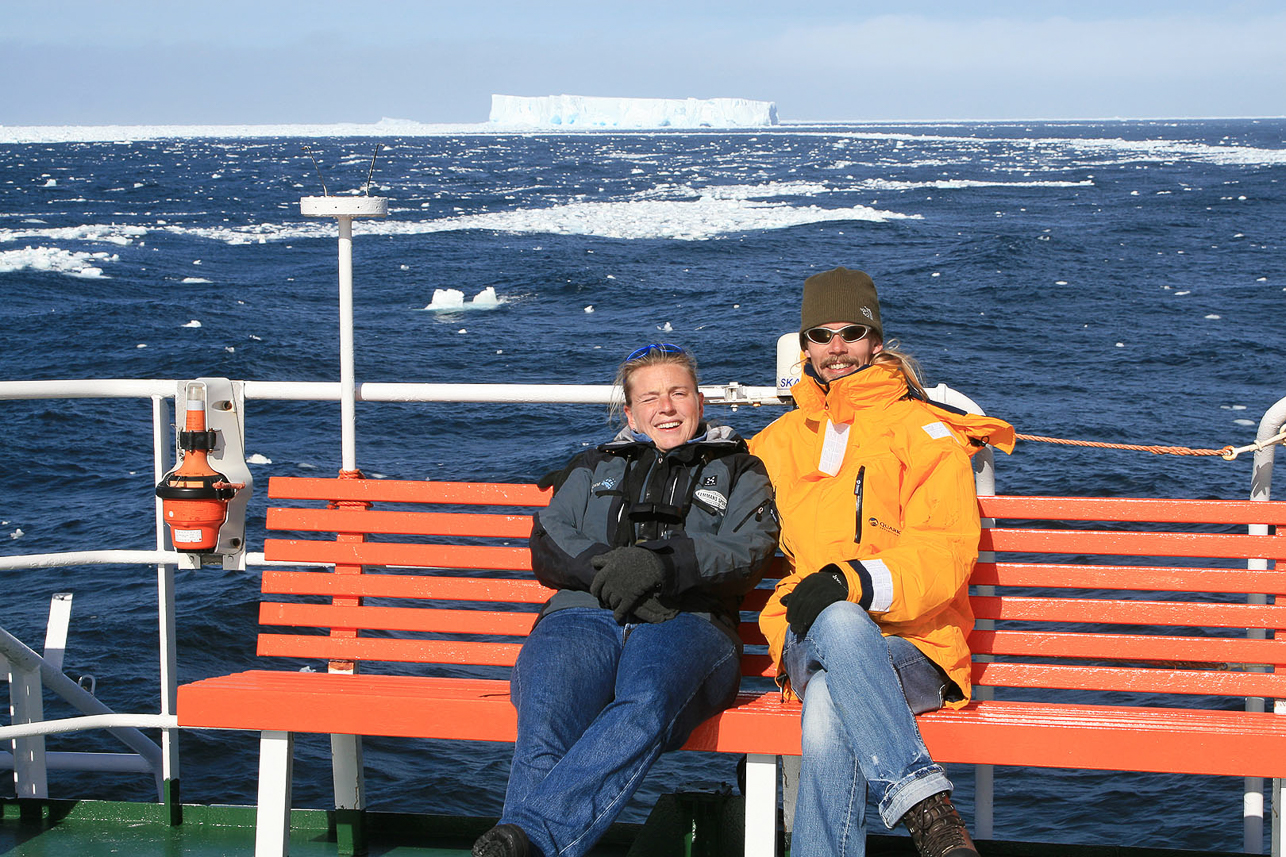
(904, 363)
(655, 356)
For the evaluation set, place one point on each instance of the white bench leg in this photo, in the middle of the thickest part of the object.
(272, 819)
(761, 805)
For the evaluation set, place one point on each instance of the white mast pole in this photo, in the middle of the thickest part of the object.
(344, 209)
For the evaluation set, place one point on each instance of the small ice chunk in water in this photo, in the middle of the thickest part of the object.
(256, 458)
(453, 299)
(665, 328)
(589, 309)
(446, 298)
(193, 323)
(1213, 316)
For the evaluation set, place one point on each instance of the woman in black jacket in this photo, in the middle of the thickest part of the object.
(651, 541)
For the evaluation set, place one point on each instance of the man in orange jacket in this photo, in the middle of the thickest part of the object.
(880, 525)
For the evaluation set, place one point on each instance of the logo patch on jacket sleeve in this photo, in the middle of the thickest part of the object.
(709, 481)
(605, 485)
(712, 498)
(937, 431)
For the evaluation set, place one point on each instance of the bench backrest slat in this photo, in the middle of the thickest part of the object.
(372, 649)
(1083, 594)
(516, 559)
(1104, 542)
(1143, 578)
(278, 582)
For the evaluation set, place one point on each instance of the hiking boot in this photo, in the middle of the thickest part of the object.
(503, 840)
(937, 829)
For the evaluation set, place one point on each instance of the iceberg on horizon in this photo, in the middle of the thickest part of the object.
(584, 111)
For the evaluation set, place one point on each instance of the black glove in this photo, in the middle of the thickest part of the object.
(654, 612)
(811, 596)
(627, 577)
(555, 478)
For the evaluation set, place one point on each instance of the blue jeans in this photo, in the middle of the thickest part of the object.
(597, 704)
(861, 691)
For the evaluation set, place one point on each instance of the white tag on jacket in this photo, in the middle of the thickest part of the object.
(834, 445)
(937, 431)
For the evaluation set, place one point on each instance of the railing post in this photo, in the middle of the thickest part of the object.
(1261, 485)
(167, 779)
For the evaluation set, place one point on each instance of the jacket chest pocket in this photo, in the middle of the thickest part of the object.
(877, 487)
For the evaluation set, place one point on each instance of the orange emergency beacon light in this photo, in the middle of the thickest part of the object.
(194, 496)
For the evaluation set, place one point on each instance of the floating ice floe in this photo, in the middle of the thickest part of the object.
(258, 459)
(193, 323)
(17, 534)
(665, 328)
(589, 309)
(188, 281)
(56, 261)
(1244, 422)
(1213, 316)
(452, 300)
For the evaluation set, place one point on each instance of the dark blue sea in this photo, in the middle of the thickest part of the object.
(1111, 281)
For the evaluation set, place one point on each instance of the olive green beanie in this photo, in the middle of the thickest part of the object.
(837, 295)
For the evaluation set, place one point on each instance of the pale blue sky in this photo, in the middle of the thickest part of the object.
(79, 62)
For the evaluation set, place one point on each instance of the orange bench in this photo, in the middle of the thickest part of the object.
(1143, 609)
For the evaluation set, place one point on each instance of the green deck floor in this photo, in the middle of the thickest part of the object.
(97, 828)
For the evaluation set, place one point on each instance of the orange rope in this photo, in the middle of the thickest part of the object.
(1155, 450)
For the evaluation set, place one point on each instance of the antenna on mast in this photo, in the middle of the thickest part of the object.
(371, 171)
(325, 192)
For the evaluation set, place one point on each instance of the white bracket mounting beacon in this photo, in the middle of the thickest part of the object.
(225, 414)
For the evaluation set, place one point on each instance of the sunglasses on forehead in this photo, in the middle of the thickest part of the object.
(659, 347)
(848, 333)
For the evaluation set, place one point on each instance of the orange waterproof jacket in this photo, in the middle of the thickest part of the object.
(912, 524)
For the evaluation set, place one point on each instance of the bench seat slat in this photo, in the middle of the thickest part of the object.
(398, 554)
(423, 619)
(404, 523)
(1161, 740)
(1151, 509)
(1129, 647)
(1130, 680)
(1130, 577)
(406, 491)
(1130, 543)
(388, 649)
(480, 589)
(1092, 610)
(1013, 733)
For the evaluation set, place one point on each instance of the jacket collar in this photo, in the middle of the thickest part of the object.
(874, 386)
(710, 435)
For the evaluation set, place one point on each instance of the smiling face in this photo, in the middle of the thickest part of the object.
(662, 402)
(838, 358)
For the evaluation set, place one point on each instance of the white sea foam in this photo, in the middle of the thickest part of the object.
(55, 260)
